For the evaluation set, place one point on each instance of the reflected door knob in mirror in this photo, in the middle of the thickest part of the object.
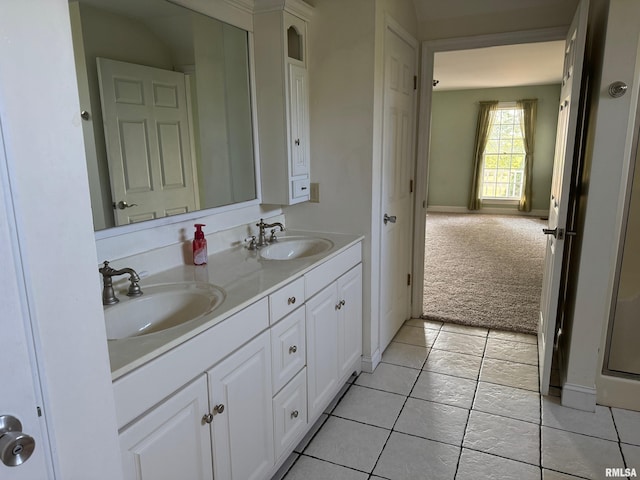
(122, 205)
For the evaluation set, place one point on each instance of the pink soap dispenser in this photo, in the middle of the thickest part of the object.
(199, 246)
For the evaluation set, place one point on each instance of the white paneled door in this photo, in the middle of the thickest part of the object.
(146, 127)
(18, 375)
(559, 202)
(397, 173)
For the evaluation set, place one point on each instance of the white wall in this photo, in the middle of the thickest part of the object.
(40, 117)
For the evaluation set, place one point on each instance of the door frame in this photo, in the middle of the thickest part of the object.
(429, 49)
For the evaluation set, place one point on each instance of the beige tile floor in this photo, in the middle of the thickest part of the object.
(455, 402)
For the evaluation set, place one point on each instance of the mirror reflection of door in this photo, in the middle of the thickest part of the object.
(146, 128)
(214, 58)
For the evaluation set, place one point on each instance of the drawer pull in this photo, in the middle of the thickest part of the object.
(207, 418)
(291, 300)
(293, 349)
(294, 414)
(218, 409)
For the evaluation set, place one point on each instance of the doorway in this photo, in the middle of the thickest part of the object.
(428, 121)
(486, 270)
(568, 117)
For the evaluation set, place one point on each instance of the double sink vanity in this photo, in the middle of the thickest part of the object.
(220, 370)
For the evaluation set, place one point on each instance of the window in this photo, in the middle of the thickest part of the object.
(504, 154)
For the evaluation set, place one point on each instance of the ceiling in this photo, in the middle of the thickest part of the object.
(502, 66)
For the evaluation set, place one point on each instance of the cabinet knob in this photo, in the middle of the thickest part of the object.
(218, 409)
(293, 349)
(338, 306)
(297, 142)
(291, 300)
(207, 418)
(294, 414)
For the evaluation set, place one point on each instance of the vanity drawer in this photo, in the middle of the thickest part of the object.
(300, 188)
(324, 274)
(286, 300)
(290, 413)
(288, 348)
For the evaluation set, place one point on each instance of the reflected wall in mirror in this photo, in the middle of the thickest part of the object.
(168, 122)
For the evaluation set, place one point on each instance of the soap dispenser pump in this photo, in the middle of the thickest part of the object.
(199, 246)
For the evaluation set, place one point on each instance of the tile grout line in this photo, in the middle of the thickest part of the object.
(475, 392)
(615, 426)
(403, 405)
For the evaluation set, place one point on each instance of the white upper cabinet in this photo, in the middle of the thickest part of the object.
(281, 51)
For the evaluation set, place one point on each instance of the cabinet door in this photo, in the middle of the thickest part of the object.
(298, 120)
(322, 349)
(242, 427)
(171, 441)
(350, 319)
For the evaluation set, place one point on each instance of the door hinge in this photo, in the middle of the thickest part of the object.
(415, 82)
(410, 186)
(424, 204)
(408, 279)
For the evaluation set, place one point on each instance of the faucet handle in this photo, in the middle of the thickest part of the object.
(134, 288)
(252, 242)
(273, 237)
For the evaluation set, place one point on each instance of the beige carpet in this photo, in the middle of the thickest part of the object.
(484, 270)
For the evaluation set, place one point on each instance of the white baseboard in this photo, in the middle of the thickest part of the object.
(487, 211)
(579, 397)
(369, 364)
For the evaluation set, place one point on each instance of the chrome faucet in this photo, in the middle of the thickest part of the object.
(108, 294)
(262, 238)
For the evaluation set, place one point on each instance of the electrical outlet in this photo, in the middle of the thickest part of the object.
(315, 193)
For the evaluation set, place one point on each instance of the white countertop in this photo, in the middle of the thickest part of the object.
(245, 278)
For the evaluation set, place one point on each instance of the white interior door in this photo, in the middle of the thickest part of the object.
(397, 170)
(18, 376)
(146, 127)
(559, 202)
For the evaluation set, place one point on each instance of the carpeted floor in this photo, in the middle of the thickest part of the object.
(484, 270)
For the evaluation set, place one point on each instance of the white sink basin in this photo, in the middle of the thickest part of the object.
(160, 307)
(290, 248)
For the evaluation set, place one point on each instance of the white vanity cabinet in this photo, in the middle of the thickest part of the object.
(233, 401)
(241, 404)
(282, 97)
(334, 338)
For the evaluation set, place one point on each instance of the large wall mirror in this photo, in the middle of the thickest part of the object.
(167, 116)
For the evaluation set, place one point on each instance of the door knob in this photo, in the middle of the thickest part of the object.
(558, 233)
(15, 447)
(122, 205)
(389, 218)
